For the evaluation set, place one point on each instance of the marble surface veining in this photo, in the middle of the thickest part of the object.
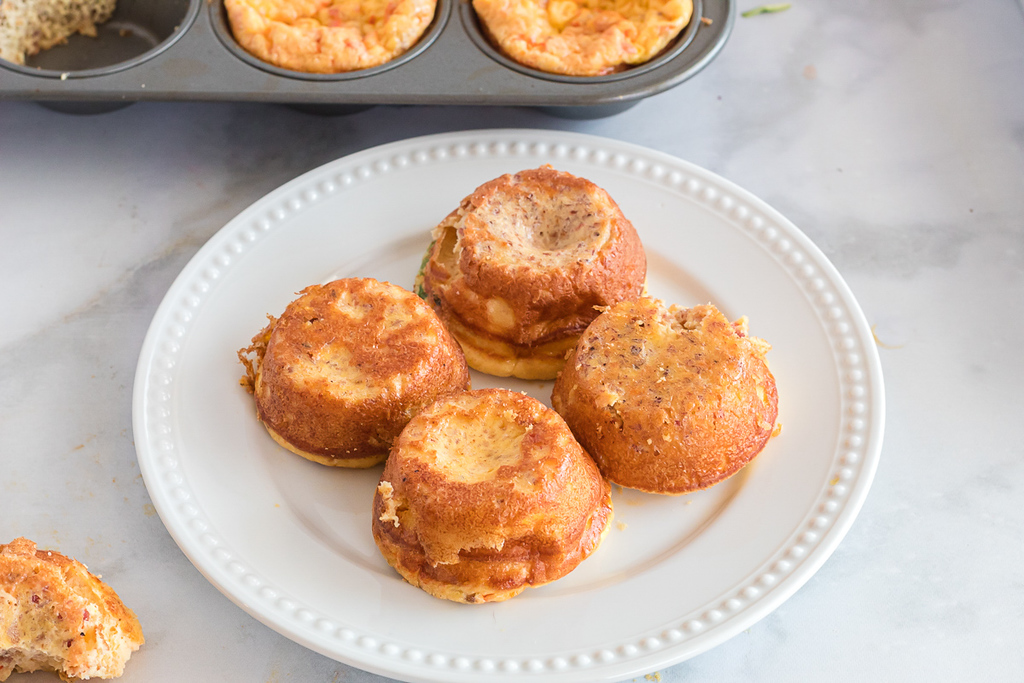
(891, 133)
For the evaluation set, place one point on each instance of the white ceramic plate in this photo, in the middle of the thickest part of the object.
(289, 541)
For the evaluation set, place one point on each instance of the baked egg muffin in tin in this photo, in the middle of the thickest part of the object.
(668, 399)
(328, 36)
(485, 494)
(582, 37)
(345, 367)
(28, 26)
(516, 271)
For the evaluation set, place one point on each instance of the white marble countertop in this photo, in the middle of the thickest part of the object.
(891, 133)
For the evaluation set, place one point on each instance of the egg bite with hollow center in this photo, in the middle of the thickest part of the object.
(346, 366)
(485, 494)
(516, 271)
(668, 399)
(328, 36)
(582, 37)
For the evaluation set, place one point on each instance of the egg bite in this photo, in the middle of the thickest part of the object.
(57, 616)
(30, 26)
(485, 494)
(582, 37)
(328, 36)
(345, 367)
(516, 271)
(667, 399)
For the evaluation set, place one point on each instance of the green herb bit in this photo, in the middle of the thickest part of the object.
(767, 9)
(418, 284)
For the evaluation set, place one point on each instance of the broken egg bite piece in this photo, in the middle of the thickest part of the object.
(57, 616)
(485, 494)
(668, 399)
(345, 367)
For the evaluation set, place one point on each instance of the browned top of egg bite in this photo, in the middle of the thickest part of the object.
(347, 365)
(668, 399)
(522, 263)
(583, 37)
(328, 36)
(486, 493)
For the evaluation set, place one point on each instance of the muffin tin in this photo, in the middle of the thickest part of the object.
(183, 50)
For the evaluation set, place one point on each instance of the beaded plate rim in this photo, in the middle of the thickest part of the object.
(837, 504)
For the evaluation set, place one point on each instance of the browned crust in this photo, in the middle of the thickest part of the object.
(55, 615)
(354, 462)
(485, 539)
(300, 364)
(666, 399)
(525, 259)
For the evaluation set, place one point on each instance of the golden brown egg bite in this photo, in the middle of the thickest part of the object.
(668, 399)
(582, 37)
(486, 493)
(348, 363)
(517, 270)
(328, 36)
(56, 616)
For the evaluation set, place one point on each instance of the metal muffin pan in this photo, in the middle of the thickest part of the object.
(183, 50)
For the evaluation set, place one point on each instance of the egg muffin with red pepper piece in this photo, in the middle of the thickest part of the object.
(57, 616)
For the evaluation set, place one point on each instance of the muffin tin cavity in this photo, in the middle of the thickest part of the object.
(138, 31)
